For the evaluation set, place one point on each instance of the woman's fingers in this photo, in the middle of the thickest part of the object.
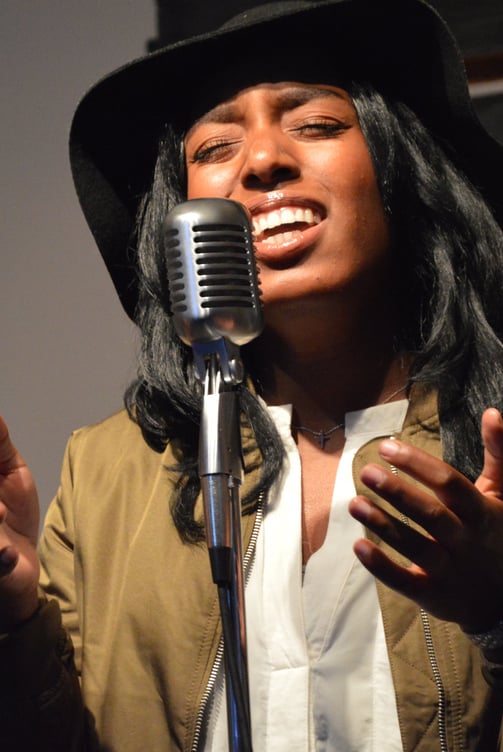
(415, 503)
(454, 561)
(19, 517)
(10, 459)
(455, 492)
(421, 549)
(409, 581)
(8, 560)
(18, 496)
(490, 480)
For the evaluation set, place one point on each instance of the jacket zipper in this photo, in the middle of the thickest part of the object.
(442, 728)
(204, 706)
(430, 649)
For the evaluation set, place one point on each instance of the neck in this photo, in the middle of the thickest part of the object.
(325, 370)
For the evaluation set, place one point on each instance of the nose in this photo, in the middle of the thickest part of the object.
(268, 161)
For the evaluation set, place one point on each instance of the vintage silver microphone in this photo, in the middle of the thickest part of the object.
(213, 280)
(215, 303)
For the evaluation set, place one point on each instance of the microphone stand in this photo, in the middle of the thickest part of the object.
(220, 470)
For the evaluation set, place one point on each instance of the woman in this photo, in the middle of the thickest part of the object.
(380, 266)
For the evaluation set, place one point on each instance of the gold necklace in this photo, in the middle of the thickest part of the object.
(323, 436)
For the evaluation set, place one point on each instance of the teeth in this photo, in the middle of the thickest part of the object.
(284, 216)
(281, 237)
(287, 216)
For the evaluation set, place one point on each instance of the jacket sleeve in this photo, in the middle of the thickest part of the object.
(41, 707)
(40, 703)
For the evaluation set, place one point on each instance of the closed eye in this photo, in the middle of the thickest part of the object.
(213, 151)
(321, 129)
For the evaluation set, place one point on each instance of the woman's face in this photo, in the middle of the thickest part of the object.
(295, 156)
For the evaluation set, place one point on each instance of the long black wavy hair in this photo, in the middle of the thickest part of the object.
(448, 262)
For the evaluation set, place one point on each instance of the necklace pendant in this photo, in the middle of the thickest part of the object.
(322, 439)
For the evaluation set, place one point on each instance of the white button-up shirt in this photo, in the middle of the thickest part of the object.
(319, 672)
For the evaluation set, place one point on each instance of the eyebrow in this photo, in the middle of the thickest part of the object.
(288, 99)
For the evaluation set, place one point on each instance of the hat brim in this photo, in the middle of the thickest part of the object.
(402, 46)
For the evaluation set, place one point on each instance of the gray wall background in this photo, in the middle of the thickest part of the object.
(66, 348)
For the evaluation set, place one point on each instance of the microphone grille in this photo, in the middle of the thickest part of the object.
(225, 274)
(211, 270)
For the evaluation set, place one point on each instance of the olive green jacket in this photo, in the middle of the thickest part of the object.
(142, 612)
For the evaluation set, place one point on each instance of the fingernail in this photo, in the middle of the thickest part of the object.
(8, 558)
(373, 476)
(360, 509)
(363, 550)
(389, 449)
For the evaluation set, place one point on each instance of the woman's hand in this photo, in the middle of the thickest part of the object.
(19, 519)
(457, 562)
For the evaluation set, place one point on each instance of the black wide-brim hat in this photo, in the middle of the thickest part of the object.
(402, 46)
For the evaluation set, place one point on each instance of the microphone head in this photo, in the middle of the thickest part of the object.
(212, 274)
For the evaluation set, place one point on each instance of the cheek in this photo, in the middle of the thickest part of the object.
(207, 183)
(356, 193)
